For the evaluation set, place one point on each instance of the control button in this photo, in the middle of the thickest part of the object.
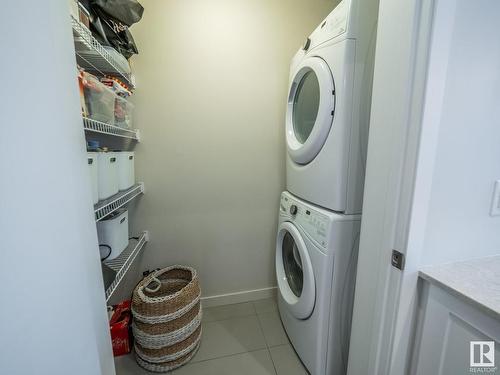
(307, 44)
(293, 209)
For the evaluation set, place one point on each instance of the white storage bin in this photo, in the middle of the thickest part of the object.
(108, 174)
(93, 172)
(126, 174)
(113, 232)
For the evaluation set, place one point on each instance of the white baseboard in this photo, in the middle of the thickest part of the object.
(238, 297)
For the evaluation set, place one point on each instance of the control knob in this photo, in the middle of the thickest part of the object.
(293, 209)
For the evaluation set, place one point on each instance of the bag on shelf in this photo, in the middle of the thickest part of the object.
(110, 30)
(127, 12)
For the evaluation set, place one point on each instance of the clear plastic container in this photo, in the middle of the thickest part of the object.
(73, 9)
(84, 15)
(123, 113)
(99, 99)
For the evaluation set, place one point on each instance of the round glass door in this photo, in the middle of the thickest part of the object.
(294, 271)
(305, 106)
(311, 106)
(292, 264)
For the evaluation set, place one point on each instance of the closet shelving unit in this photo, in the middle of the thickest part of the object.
(94, 58)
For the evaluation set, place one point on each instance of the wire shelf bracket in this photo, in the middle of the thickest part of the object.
(124, 261)
(117, 201)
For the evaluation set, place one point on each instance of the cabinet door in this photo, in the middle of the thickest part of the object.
(449, 326)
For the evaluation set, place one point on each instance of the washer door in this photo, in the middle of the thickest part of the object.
(311, 106)
(294, 271)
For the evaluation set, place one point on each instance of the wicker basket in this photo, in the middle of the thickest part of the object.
(167, 318)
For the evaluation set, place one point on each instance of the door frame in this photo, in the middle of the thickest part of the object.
(404, 126)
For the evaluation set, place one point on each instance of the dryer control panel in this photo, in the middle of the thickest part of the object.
(334, 25)
(314, 223)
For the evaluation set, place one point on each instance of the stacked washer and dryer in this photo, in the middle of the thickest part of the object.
(320, 213)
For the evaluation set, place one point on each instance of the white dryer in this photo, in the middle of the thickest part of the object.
(316, 258)
(329, 108)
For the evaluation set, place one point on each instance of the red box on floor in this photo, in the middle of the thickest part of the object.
(120, 328)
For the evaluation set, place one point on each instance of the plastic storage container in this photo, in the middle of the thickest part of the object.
(73, 9)
(126, 174)
(99, 99)
(93, 171)
(84, 15)
(108, 174)
(113, 232)
(123, 113)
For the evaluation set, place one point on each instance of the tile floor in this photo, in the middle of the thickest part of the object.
(243, 339)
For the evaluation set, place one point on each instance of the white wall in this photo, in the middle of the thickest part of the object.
(53, 316)
(211, 92)
(467, 160)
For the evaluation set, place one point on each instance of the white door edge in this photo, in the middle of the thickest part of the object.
(386, 221)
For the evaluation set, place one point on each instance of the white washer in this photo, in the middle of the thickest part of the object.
(328, 108)
(316, 257)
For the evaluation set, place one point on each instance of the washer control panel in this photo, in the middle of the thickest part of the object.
(314, 223)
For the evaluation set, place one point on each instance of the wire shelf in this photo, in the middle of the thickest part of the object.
(93, 56)
(122, 263)
(103, 128)
(117, 201)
